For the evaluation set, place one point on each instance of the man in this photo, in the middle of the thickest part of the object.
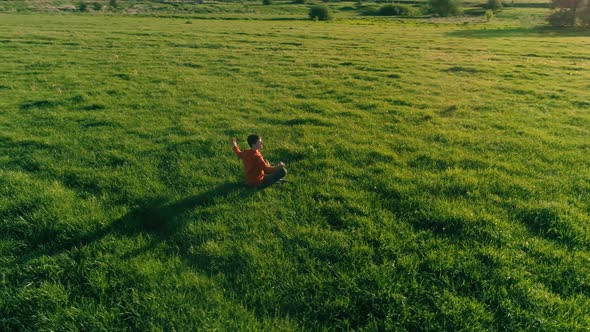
(257, 171)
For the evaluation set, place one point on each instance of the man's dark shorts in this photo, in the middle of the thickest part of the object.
(274, 177)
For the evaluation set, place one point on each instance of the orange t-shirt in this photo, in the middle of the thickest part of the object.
(254, 165)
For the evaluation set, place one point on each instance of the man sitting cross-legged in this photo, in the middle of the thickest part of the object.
(258, 172)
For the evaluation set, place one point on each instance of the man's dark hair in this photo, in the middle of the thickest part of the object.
(253, 139)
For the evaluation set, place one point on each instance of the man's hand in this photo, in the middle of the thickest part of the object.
(233, 142)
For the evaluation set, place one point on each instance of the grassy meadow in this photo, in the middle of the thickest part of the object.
(439, 168)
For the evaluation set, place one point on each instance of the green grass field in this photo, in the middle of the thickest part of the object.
(439, 168)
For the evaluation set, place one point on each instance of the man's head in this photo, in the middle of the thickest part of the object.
(255, 142)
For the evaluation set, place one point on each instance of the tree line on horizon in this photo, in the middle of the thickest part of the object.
(566, 13)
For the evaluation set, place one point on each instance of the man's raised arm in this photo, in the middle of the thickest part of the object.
(235, 147)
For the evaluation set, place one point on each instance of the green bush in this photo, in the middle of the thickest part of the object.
(561, 18)
(320, 12)
(494, 5)
(96, 6)
(300, 2)
(83, 6)
(113, 3)
(266, 2)
(444, 8)
(396, 10)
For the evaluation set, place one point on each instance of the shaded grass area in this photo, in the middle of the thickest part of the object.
(521, 32)
(437, 182)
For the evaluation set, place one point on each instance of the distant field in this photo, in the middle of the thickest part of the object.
(439, 168)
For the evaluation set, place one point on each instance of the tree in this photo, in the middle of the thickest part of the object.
(320, 12)
(445, 7)
(395, 9)
(569, 12)
(494, 5)
(585, 15)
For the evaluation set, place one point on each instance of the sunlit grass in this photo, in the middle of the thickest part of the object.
(439, 174)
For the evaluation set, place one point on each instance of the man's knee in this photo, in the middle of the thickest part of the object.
(282, 172)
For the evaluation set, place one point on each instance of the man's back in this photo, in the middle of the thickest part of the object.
(254, 166)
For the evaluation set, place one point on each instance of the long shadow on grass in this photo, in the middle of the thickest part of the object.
(544, 4)
(520, 32)
(156, 216)
(205, 17)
